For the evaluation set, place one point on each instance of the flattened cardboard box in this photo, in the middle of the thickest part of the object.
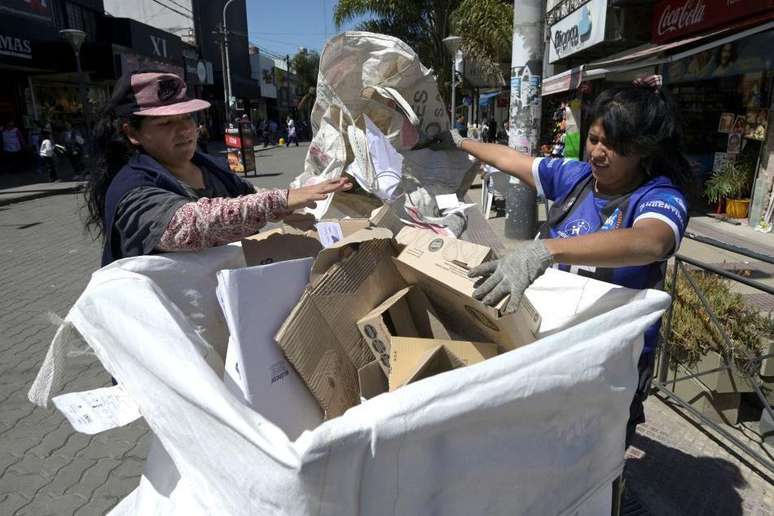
(297, 238)
(413, 359)
(407, 313)
(320, 337)
(439, 265)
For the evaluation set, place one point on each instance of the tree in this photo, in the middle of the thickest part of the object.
(305, 65)
(485, 27)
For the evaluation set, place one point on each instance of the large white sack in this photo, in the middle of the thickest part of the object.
(380, 77)
(535, 431)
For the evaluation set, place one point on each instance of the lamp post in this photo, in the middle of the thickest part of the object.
(226, 66)
(452, 45)
(76, 38)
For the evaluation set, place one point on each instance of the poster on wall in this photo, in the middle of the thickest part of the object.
(726, 122)
(719, 161)
(734, 144)
(750, 55)
(757, 123)
(739, 125)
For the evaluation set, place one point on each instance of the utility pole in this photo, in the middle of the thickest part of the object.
(226, 65)
(526, 70)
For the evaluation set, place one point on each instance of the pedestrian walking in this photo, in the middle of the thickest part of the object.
(13, 146)
(152, 192)
(47, 157)
(616, 218)
(291, 133)
(461, 126)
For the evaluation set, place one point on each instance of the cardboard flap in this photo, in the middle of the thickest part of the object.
(470, 352)
(408, 357)
(277, 246)
(343, 249)
(321, 337)
(372, 379)
(444, 258)
(414, 359)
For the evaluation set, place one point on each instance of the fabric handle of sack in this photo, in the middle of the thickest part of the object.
(394, 95)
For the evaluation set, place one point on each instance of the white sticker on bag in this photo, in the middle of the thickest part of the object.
(330, 233)
(91, 412)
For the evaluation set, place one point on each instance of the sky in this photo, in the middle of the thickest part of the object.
(283, 26)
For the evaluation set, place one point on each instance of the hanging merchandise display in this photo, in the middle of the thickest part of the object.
(240, 142)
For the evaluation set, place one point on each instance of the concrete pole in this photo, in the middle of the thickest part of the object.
(526, 69)
(226, 65)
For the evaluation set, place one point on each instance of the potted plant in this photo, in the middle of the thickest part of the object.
(697, 346)
(731, 183)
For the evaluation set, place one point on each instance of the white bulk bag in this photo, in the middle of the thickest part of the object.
(379, 76)
(539, 430)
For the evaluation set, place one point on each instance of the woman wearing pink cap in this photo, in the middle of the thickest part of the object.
(153, 192)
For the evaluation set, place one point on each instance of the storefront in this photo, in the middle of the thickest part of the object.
(577, 38)
(723, 85)
(715, 59)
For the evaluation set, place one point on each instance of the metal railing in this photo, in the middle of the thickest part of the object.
(750, 373)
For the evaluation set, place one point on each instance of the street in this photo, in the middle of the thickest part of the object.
(673, 468)
(46, 468)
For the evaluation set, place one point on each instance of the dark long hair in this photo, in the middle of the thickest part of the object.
(647, 122)
(113, 151)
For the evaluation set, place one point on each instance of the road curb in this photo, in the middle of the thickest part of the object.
(23, 196)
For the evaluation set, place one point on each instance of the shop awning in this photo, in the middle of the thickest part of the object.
(486, 98)
(651, 55)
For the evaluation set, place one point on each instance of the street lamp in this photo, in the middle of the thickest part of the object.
(226, 66)
(453, 44)
(76, 38)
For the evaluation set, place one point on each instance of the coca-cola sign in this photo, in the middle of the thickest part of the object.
(673, 19)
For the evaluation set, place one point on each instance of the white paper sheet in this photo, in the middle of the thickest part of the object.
(256, 301)
(330, 233)
(91, 412)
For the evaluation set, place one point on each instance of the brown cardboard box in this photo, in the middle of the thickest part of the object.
(349, 279)
(414, 359)
(320, 336)
(297, 238)
(439, 265)
(407, 313)
(372, 380)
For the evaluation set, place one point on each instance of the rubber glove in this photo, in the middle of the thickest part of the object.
(447, 140)
(511, 274)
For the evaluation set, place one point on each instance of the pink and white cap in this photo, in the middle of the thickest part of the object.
(159, 94)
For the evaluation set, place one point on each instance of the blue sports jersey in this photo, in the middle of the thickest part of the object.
(578, 210)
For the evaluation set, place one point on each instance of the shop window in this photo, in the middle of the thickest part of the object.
(74, 16)
(81, 19)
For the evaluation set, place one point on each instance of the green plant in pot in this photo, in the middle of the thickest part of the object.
(732, 182)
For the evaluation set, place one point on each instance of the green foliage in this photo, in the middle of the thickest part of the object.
(732, 180)
(694, 333)
(306, 64)
(487, 29)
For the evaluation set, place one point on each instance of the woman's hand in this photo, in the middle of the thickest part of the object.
(307, 196)
(511, 275)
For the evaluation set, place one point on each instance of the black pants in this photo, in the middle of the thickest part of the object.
(49, 165)
(636, 409)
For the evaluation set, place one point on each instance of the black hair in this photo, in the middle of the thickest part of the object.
(644, 121)
(112, 150)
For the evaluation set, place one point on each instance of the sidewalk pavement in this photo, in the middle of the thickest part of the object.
(675, 467)
(28, 184)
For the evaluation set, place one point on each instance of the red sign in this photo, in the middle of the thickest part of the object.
(233, 141)
(674, 19)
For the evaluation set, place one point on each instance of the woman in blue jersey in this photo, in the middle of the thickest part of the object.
(617, 217)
